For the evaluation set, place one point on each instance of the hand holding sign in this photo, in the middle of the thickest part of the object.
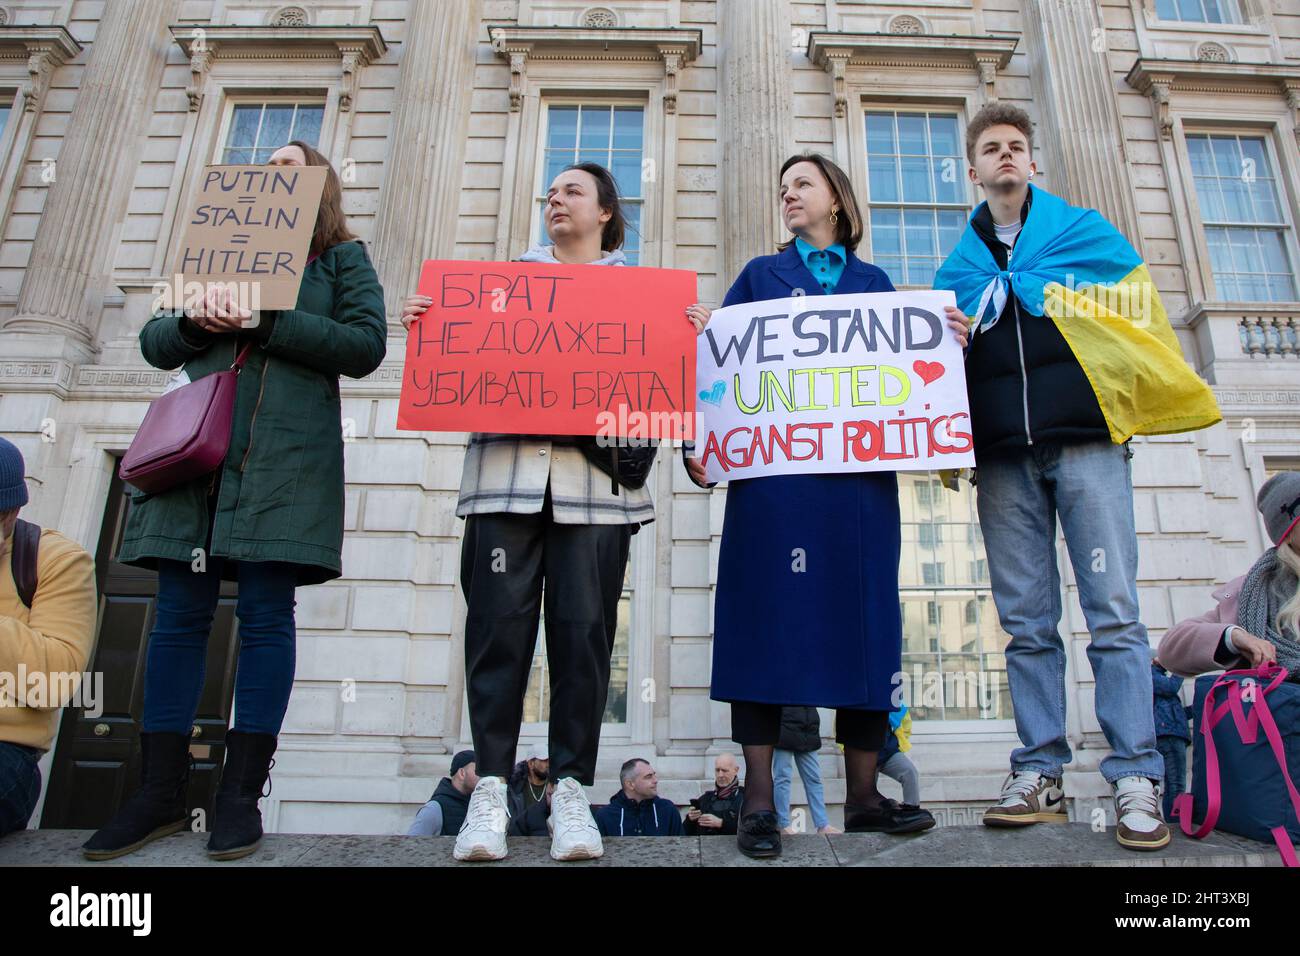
(867, 382)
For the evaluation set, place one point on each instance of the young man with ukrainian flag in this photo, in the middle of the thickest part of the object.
(1071, 355)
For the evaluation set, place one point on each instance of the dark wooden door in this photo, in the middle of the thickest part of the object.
(97, 759)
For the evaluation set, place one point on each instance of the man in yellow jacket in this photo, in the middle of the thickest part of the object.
(45, 641)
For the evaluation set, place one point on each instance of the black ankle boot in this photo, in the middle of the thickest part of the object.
(158, 808)
(236, 821)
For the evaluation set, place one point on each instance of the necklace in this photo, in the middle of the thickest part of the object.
(536, 796)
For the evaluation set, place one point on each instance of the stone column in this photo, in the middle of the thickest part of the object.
(1081, 133)
(420, 201)
(756, 123)
(63, 287)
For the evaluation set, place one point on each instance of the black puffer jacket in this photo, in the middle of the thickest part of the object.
(1025, 385)
(726, 809)
(801, 730)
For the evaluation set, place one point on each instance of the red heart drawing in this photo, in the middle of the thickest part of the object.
(928, 371)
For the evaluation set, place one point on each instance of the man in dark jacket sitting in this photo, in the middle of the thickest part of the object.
(445, 811)
(718, 810)
(637, 809)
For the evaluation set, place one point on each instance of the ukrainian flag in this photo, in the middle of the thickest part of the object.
(1074, 267)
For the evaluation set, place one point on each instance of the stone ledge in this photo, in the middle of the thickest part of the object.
(1049, 845)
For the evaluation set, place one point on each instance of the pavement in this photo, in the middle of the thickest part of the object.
(1073, 844)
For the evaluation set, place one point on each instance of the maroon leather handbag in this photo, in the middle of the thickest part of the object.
(185, 433)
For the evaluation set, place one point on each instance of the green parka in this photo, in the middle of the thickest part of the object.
(280, 490)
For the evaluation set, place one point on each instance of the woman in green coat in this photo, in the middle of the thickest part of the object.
(271, 518)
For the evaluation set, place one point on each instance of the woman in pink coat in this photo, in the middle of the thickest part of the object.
(1257, 617)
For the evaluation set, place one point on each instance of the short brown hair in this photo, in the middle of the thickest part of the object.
(997, 114)
(331, 223)
(849, 228)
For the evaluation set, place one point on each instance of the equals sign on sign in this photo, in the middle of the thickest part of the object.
(239, 239)
(247, 200)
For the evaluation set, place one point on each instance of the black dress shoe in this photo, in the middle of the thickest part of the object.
(890, 817)
(758, 835)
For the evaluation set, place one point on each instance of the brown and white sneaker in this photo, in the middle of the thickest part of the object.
(1139, 823)
(1028, 797)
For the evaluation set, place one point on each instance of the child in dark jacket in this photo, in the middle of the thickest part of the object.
(1172, 733)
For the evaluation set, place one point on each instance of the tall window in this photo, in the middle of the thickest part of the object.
(537, 698)
(953, 664)
(1200, 11)
(258, 129)
(613, 136)
(1245, 225)
(916, 194)
(6, 107)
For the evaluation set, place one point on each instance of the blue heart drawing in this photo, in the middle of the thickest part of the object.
(714, 395)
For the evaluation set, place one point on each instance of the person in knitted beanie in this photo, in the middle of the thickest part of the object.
(1257, 617)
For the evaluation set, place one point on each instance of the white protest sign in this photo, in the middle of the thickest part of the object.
(835, 383)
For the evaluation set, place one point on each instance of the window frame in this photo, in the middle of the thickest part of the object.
(15, 141)
(959, 592)
(863, 184)
(1255, 22)
(231, 103)
(1243, 12)
(1284, 172)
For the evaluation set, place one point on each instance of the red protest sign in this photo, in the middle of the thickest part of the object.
(549, 349)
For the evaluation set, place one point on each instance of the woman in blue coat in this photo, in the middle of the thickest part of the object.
(807, 609)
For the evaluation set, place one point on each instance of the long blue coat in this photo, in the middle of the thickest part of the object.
(831, 635)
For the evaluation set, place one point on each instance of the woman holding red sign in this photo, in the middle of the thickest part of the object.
(807, 609)
(539, 510)
(270, 517)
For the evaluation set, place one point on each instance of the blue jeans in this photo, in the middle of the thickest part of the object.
(811, 774)
(1089, 486)
(178, 646)
(20, 786)
(1174, 751)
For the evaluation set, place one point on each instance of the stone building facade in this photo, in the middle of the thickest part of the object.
(1178, 119)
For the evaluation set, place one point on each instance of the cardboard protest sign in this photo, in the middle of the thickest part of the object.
(550, 349)
(251, 226)
(866, 382)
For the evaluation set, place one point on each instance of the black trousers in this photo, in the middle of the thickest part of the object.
(504, 561)
(759, 725)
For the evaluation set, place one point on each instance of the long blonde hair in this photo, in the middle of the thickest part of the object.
(1289, 615)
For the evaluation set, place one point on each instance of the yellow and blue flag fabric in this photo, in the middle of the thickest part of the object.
(1079, 271)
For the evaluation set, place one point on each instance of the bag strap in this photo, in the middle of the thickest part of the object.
(242, 357)
(1260, 716)
(1183, 802)
(26, 544)
(1280, 836)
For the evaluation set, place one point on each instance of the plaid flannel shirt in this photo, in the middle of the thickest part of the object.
(509, 473)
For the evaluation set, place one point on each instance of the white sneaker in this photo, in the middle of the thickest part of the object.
(483, 834)
(1139, 823)
(574, 835)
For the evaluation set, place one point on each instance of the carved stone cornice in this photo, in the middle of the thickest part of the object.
(352, 46)
(674, 48)
(834, 52)
(1159, 79)
(44, 48)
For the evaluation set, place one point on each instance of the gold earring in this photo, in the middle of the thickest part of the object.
(834, 216)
